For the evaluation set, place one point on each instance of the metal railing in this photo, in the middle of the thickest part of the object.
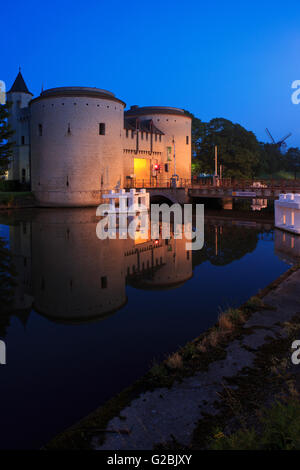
(157, 183)
(213, 183)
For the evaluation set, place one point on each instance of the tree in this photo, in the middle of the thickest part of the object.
(292, 158)
(7, 286)
(233, 243)
(271, 160)
(238, 149)
(198, 129)
(6, 133)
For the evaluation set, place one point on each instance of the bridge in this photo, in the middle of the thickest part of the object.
(226, 188)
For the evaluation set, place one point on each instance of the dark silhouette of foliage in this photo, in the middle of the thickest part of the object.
(6, 144)
(231, 244)
(292, 160)
(7, 285)
(238, 149)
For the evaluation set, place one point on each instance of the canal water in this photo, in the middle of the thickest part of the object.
(82, 318)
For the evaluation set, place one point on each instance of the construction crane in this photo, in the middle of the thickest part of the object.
(281, 144)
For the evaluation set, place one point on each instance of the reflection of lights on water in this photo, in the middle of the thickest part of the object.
(259, 204)
(287, 246)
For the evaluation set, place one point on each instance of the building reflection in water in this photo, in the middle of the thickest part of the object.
(287, 246)
(20, 248)
(227, 240)
(259, 204)
(67, 274)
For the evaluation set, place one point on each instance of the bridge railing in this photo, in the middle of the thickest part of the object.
(246, 184)
(212, 182)
(156, 183)
(273, 184)
(180, 183)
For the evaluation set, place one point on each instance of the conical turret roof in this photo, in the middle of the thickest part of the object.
(19, 85)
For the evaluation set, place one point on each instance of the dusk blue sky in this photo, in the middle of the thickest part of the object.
(229, 59)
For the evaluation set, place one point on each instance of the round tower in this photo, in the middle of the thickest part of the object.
(85, 280)
(76, 146)
(175, 123)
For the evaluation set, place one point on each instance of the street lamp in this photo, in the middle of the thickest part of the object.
(174, 177)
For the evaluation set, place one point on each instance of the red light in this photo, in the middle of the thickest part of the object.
(156, 242)
(156, 166)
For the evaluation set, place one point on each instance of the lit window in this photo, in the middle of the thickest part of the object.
(102, 128)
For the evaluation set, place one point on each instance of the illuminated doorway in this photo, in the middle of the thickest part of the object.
(142, 169)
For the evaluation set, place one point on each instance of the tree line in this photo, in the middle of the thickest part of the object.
(239, 152)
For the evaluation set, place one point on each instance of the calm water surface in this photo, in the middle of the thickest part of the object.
(90, 316)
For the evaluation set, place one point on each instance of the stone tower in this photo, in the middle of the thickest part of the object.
(76, 145)
(19, 119)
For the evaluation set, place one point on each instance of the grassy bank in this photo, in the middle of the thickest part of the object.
(279, 429)
(262, 411)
